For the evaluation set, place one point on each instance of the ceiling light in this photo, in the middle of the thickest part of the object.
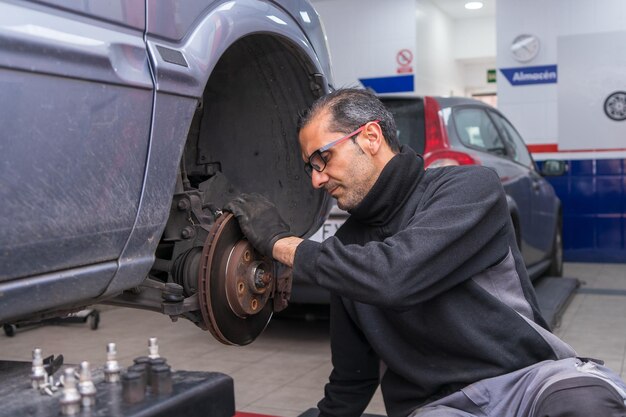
(474, 5)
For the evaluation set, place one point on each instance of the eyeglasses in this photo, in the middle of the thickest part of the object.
(318, 159)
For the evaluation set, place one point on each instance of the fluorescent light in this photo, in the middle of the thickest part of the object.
(474, 5)
(305, 17)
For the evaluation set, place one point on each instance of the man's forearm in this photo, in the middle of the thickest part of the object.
(284, 250)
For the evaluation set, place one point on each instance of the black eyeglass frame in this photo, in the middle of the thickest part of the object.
(320, 165)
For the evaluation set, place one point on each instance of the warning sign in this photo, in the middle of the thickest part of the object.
(404, 59)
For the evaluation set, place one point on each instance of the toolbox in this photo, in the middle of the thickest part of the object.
(193, 394)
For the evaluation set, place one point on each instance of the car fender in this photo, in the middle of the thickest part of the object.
(181, 71)
(184, 67)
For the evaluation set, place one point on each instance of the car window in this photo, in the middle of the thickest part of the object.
(475, 129)
(409, 116)
(517, 148)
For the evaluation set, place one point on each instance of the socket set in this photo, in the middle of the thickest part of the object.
(148, 387)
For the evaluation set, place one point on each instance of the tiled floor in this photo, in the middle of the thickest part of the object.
(283, 372)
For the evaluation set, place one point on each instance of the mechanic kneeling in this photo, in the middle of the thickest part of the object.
(430, 296)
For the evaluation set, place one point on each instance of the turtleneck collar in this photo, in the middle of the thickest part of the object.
(394, 185)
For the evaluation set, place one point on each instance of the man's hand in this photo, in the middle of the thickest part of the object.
(259, 220)
(285, 250)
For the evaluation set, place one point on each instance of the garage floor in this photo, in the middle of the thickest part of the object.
(283, 372)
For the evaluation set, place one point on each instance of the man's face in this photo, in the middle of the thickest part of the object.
(349, 172)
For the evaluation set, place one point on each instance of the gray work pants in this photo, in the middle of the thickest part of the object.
(565, 388)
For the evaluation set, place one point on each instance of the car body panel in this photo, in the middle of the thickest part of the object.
(68, 288)
(100, 114)
(172, 19)
(81, 195)
(173, 116)
(52, 41)
(130, 13)
(213, 33)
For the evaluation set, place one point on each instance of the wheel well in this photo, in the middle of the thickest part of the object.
(245, 130)
(242, 138)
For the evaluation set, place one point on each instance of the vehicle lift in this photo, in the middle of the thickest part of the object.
(88, 315)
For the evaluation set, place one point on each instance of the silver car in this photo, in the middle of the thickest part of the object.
(126, 126)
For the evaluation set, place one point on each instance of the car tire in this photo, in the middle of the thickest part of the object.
(556, 259)
(9, 330)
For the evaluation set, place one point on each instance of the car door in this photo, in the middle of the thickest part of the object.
(75, 115)
(482, 139)
(543, 221)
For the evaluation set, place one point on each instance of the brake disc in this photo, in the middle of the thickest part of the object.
(235, 284)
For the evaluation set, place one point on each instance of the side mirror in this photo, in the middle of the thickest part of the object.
(553, 168)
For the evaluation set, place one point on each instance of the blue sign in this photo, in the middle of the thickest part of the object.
(545, 74)
(395, 84)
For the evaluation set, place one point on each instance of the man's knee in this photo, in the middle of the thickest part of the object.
(580, 397)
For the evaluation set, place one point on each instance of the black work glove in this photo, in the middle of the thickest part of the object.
(259, 221)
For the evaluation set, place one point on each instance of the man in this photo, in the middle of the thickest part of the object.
(430, 297)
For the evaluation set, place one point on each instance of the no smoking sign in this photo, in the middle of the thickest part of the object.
(404, 58)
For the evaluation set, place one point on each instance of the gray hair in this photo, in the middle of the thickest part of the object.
(351, 108)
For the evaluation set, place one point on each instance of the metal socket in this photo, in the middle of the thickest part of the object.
(133, 388)
(161, 379)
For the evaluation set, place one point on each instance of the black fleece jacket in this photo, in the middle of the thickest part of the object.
(416, 305)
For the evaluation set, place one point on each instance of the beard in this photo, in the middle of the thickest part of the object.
(352, 198)
(358, 182)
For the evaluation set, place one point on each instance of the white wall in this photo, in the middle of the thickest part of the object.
(534, 109)
(364, 36)
(475, 76)
(450, 56)
(475, 38)
(475, 49)
(583, 123)
(437, 71)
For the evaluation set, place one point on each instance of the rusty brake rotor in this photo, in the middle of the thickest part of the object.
(235, 284)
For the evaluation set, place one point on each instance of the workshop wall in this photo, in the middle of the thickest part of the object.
(475, 49)
(365, 38)
(437, 71)
(407, 46)
(554, 87)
